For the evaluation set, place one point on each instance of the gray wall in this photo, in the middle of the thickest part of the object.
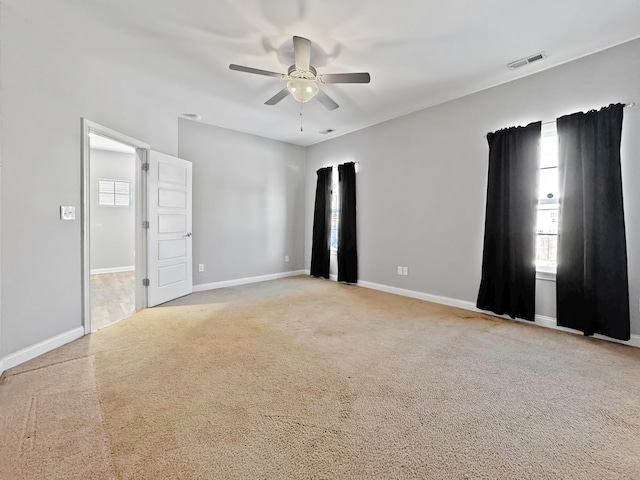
(45, 89)
(248, 203)
(43, 101)
(422, 177)
(112, 228)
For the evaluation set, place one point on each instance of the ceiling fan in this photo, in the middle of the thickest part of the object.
(303, 79)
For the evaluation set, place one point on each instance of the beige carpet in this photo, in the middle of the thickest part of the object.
(304, 378)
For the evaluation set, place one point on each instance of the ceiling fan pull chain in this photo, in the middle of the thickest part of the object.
(301, 129)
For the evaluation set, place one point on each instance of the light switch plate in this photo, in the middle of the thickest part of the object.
(67, 212)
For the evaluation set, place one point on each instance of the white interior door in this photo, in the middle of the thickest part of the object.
(169, 233)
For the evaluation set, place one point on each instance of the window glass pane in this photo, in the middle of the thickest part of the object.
(335, 209)
(547, 238)
(122, 200)
(548, 193)
(105, 199)
(549, 151)
(547, 219)
(334, 235)
(548, 187)
(121, 187)
(106, 186)
(547, 250)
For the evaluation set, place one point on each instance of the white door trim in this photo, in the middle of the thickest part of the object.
(142, 155)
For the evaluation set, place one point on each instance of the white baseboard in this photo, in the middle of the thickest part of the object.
(452, 302)
(98, 271)
(244, 281)
(540, 320)
(551, 322)
(33, 351)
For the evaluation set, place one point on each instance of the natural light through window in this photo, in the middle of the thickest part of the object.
(335, 210)
(114, 193)
(548, 193)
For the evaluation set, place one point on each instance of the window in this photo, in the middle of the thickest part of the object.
(335, 210)
(114, 193)
(548, 193)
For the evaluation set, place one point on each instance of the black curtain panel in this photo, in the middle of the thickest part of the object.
(321, 225)
(508, 269)
(347, 248)
(592, 280)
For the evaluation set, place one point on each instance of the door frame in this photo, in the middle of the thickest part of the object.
(140, 196)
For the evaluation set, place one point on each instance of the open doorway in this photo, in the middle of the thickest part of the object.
(114, 240)
(112, 171)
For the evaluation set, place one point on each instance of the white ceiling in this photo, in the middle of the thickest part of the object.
(419, 53)
(98, 142)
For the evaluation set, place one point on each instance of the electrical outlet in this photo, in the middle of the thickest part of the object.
(405, 270)
(286, 258)
(201, 267)
(399, 270)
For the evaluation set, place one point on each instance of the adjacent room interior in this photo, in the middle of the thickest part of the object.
(403, 361)
(112, 237)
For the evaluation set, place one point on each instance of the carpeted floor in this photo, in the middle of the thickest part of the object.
(305, 378)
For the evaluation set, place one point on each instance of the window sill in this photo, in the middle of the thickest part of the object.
(546, 272)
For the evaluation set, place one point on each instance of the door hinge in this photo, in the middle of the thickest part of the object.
(145, 282)
(145, 167)
(145, 224)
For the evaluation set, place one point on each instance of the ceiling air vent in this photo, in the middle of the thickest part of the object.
(526, 61)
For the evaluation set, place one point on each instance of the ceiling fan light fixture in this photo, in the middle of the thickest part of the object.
(302, 89)
(303, 79)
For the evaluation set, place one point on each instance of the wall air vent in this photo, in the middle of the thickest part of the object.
(526, 61)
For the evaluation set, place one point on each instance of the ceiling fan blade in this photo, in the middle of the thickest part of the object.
(257, 71)
(302, 53)
(326, 100)
(344, 78)
(277, 97)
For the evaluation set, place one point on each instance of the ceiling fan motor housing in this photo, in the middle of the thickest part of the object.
(310, 74)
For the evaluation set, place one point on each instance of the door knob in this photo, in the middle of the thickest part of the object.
(188, 234)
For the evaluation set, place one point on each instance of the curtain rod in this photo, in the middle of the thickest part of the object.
(626, 105)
